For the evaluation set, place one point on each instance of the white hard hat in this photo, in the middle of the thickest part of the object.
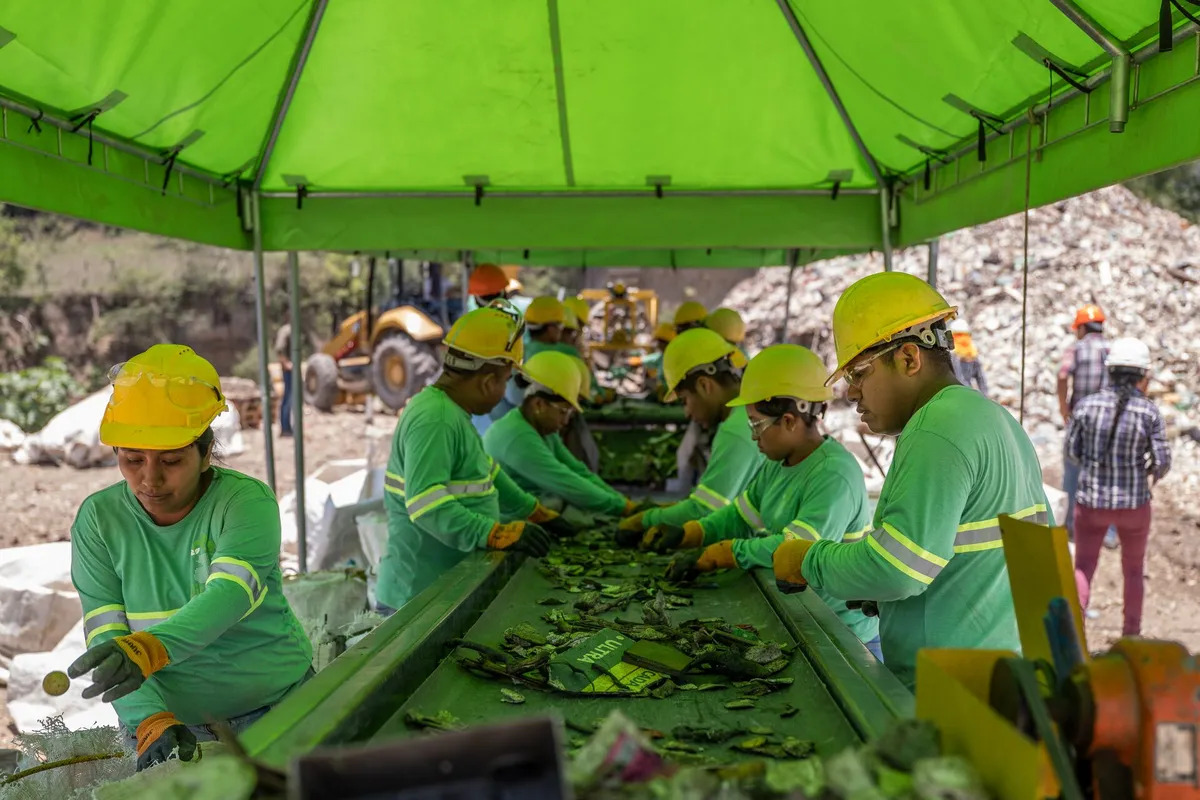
(1128, 352)
(959, 326)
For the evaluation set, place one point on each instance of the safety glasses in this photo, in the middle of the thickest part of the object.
(758, 427)
(857, 373)
(186, 393)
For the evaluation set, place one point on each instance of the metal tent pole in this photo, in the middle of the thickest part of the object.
(298, 408)
(793, 256)
(935, 246)
(1118, 99)
(260, 316)
(886, 228)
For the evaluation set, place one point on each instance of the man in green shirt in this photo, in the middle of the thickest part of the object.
(934, 559)
(444, 495)
(810, 487)
(526, 443)
(697, 367)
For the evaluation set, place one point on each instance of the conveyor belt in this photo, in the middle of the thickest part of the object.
(843, 695)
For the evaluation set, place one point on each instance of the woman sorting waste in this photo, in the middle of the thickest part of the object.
(525, 442)
(810, 487)
(177, 568)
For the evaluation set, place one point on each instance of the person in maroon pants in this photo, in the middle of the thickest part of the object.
(1120, 440)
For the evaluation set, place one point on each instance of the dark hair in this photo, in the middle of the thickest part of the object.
(1124, 382)
(778, 406)
(205, 441)
(1093, 327)
(724, 378)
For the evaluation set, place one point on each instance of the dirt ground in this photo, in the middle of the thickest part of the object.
(40, 504)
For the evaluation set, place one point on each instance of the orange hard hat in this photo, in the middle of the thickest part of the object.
(487, 280)
(1089, 313)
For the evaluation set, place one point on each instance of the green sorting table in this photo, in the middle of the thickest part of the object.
(842, 693)
(738, 598)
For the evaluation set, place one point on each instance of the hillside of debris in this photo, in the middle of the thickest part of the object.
(1139, 262)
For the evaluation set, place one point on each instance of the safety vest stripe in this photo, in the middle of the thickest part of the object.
(393, 483)
(856, 536)
(798, 529)
(708, 498)
(906, 555)
(141, 620)
(749, 512)
(238, 571)
(105, 618)
(974, 537)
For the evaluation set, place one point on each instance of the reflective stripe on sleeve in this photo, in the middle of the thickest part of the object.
(749, 512)
(393, 483)
(141, 620)
(798, 529)
(856, 536)
(241, 573)
(708, 498)
(906, 555)
(438, 494)
(973, 537)
(100, 620)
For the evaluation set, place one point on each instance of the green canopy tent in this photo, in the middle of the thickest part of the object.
(684, 133)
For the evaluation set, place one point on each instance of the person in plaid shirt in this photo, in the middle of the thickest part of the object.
(1082, 373)
(1119, 438)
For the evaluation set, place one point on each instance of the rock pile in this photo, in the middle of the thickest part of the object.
(1139, 262)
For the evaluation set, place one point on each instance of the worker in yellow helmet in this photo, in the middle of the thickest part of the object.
(525, 442)
(697, 368)
(582, 311)
(664, 334)
(933, 561)
(577, 436)
(177, 568)
(732, 328)
(445, 496)
(544, 319)
(690, 314)
(810, 487)
(570, 329)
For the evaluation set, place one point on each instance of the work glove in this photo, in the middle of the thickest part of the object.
(665, 538)
(159, 736)
(521, 536)
(788, 562)
(687, 565)
(869, 608)
(552, 521)
(633, 507)
(630, 529)
(121, 665)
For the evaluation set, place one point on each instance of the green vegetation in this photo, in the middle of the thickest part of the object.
(32, 396)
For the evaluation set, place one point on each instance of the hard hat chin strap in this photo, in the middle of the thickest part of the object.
(928, 336)
(714, 368)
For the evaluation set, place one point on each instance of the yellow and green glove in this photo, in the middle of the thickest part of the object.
(666, 538)
(520, 536)
(788, 563)
(159, 735)
(120, 665)
(690, 563)
(552, 521)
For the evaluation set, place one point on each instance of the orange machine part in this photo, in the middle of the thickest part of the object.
(1147, 710)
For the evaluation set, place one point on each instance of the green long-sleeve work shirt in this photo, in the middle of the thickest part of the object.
(208, 587)
(823, 498)
(443, 495)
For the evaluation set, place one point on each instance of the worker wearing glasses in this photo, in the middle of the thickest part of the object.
(810, 487)
(933, 560)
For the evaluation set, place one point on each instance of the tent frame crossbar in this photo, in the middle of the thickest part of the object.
(954, 159)
(518, 194)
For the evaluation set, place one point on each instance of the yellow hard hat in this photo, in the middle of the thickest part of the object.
(690, 312)
(784, 370)
(585, 376)
(544, 310)
(570, 320)
(691, 350)
(580, 306)
(556, 372)
(880, 306)
(738, 358)
(493, 334)
(728, 323)
(664, 331)
(162, 399)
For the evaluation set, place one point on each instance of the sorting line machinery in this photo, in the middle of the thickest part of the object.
(843, 694)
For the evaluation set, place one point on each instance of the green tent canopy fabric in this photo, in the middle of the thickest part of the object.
(705, 132)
